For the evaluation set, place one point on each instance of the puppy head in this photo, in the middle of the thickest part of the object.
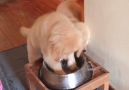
(62, 45)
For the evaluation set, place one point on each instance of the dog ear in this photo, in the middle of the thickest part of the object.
(83, 28)
(56, 51)
(55, 48)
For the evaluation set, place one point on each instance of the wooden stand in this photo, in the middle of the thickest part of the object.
(100, 77)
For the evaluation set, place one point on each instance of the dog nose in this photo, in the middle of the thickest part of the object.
(64, 64)
(84, 50)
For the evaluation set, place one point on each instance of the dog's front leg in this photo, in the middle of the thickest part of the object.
(33, 53)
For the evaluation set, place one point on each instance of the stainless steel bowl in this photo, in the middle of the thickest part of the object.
(68, 81)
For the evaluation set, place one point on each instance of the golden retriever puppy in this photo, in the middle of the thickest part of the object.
(72, 10)
(54, 37)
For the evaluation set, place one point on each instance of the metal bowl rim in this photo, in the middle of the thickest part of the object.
(77, 71)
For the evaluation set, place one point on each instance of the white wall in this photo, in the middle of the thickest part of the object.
(108, 21)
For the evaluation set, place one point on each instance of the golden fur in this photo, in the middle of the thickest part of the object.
(72, 10)
(56, 36)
